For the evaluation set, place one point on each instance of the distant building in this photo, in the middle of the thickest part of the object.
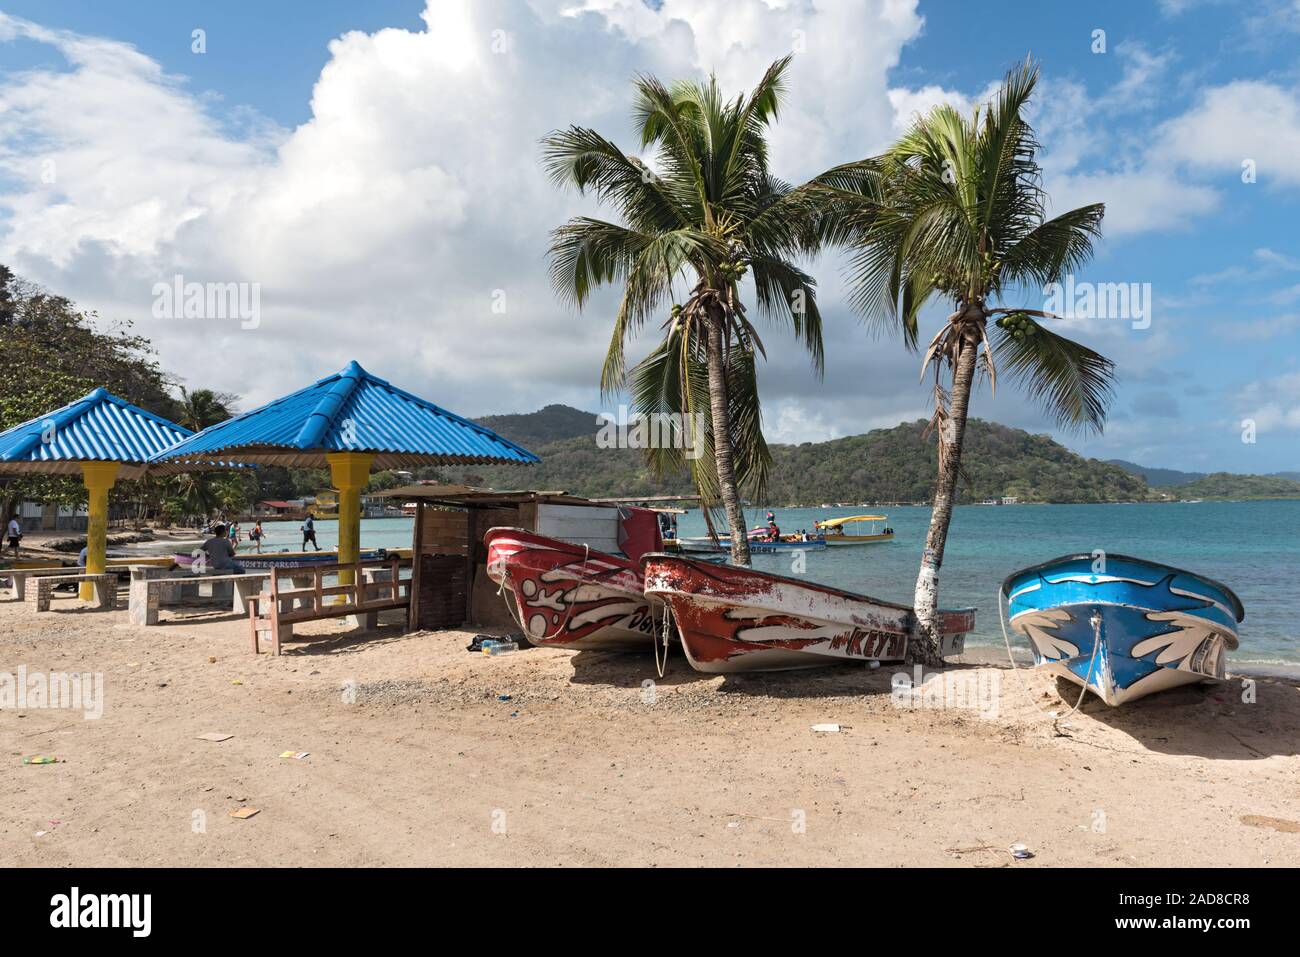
(1010, 500)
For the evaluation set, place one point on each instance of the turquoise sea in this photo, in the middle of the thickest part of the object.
(1253, 547)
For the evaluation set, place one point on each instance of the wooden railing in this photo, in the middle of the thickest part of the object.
(278, 609)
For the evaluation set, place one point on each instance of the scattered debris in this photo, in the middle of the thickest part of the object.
(212, 659)
(1276, 823)
(214, 736)
(38, 759)
(296, 755)
(243, 813)
(827, 728)
(1020, 852)
(503, 697)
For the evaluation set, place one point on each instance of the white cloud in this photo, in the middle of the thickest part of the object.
(1244, 120)
(381, 227)
(1272, 404)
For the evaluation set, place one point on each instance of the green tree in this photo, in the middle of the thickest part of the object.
(955, 211)
(704, 212)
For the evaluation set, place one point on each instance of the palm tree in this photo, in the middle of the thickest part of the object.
(955, 211)
(705, 213)
(203, 407)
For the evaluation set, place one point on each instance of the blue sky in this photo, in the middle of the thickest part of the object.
(382, 189)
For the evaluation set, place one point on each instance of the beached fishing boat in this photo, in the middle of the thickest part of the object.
(1123, 627)
(855, 530)
(738, 619)
(572, 596)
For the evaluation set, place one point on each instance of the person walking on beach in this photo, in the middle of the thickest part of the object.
(309, 534)
(234, 534)
(255, 535)
(15, 533)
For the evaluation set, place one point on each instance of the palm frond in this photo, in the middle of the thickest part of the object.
(1069, 381)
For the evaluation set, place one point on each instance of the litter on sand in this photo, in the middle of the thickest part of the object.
(214, 736)
(243, 813)
(827, 728)
(1020, 852)
(296, 755)
(38, 759)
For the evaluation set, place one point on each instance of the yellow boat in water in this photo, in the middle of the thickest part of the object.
(873, 529)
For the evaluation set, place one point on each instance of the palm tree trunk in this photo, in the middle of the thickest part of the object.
(722, 452)
(923, 647)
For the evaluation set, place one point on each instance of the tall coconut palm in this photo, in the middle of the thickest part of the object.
(955, 211)
(701, 214)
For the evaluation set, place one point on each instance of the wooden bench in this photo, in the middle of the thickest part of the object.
(149, 593)
(377, 586)
(38, 599)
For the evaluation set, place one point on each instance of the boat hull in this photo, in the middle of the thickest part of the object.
(734, 619)
(570, 596)
(706, 546)
(1123, 627)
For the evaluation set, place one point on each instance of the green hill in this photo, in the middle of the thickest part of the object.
(887, 465)
(1230, 485)
(1157, 477)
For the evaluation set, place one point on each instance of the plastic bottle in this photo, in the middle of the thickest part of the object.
(495, 648)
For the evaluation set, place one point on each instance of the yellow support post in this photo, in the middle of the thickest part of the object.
(98, 478)
(349, 473)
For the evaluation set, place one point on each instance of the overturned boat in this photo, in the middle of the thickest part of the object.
(738, 619)
(568, 595)
(1123, 627)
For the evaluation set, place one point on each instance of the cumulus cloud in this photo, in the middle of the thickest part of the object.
(405, 222)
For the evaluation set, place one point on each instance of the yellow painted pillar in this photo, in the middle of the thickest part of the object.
(349, 473)
(99, 478)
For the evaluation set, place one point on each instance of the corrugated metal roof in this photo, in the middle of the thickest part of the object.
(99, 427)
(351, 411)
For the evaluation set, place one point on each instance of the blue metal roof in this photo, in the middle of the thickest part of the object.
(99, 427)
(350, 411)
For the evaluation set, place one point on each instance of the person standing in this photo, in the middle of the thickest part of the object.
(15, 532)
(255, 535)
(233, 532)
(309, 534)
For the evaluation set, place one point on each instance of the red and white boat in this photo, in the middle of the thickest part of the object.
(572, 596)
(737, 619)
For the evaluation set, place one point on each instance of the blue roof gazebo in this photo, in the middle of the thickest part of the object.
(349, 422)
(100, 437)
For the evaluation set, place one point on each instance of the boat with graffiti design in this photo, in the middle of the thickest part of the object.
(738, 619)
(1123, 627)
(572, 596)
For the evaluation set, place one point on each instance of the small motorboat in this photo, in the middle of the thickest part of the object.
(855, 530)
(572, 596)
(705, 545)
(738, 619)
(1123, 627)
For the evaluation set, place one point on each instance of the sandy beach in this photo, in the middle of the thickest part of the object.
(421, 753)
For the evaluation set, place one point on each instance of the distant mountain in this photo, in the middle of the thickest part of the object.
(1230, 485)
(1182, 485)
(533, 430)
(1158, 477)
(887, 465)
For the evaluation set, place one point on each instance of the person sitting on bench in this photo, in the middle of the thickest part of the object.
(221, 554)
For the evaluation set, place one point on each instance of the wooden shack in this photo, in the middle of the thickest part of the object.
(450, 586)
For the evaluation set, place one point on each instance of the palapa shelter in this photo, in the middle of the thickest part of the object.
(101, 438)
(350, 422)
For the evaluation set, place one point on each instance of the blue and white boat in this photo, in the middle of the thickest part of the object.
(1123, 627)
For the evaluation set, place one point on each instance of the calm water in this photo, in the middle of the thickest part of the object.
(1253, 547)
